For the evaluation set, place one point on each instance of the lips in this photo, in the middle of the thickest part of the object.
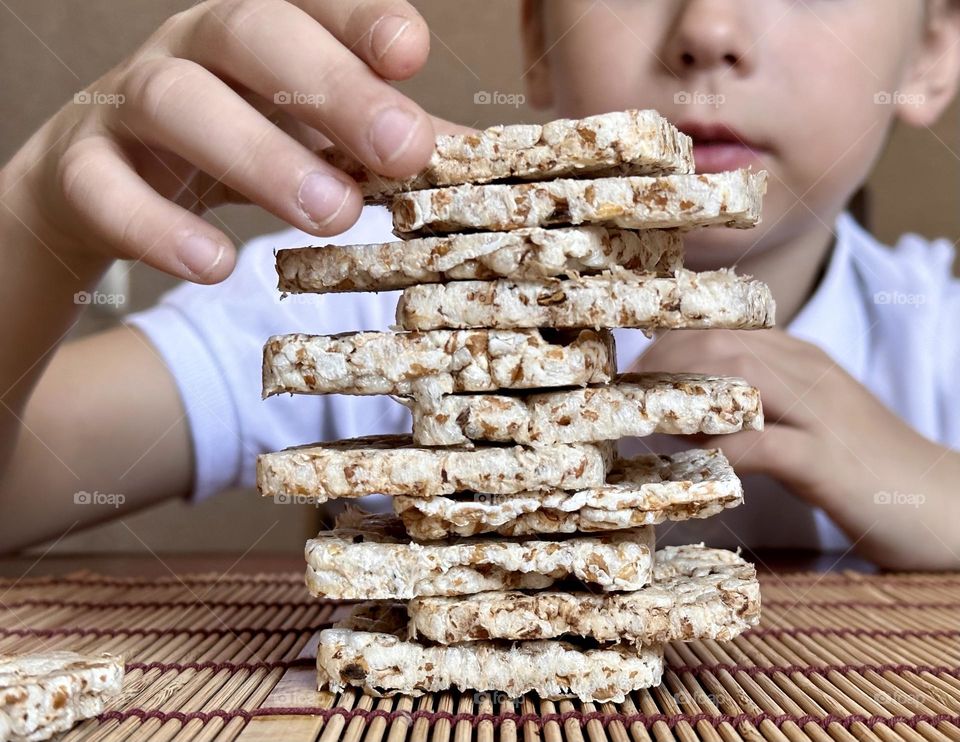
(718, 147)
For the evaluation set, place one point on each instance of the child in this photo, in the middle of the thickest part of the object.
(862, 414)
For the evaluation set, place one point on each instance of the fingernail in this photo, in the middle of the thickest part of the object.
(322, 198)
(385, 32)
(391, 133)
(200, 255)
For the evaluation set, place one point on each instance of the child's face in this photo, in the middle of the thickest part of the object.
(805, 89)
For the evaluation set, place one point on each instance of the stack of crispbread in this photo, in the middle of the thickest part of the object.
(521, 557)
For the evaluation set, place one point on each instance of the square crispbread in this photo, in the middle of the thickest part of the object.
(645, 490)
(697, 593)
(374, 559)
(46, 693)
(686, 300)
(618, 143)
(427, 364)
(634, 405)
(524, 254)
(732, 199)
(392, 465)
(369, 650)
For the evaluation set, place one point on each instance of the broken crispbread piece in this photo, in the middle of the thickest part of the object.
(392, 465)
(46, 693)
(633, 405)
(427, 364)
(531, 254)
(697, 593)
(369, 650)
(645, 490)
(732, 199)
(617, 143)
(686, 300)
(374, 560)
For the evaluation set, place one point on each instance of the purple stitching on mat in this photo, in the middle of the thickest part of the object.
(827, 631)
(671, 720)
(155, 631)
(199, 603)
(292, 578)
(808, 670)
(218, 666)
(856, 604)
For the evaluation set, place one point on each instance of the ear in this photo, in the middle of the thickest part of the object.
(537, 77)
(935, 72)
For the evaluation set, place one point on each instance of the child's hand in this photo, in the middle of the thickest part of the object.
(227, 101)
(832, 443)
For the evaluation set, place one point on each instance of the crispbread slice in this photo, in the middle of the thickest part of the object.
(46, 693)
(641, 491)
(671, 201)
(392, 465)
(634, 405)
(697, 593)
(375, 560)
(619, 143)
(524, 254)
(369, 650)
(428, 364)
(686, 300)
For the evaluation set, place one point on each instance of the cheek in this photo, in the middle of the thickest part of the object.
(599, 62)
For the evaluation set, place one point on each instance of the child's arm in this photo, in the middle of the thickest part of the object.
(827, 438)
(124, 171)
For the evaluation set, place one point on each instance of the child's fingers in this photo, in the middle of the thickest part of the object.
(279, 52)
(122, 211)
(177, 105)
(389, 35)
(779, 451)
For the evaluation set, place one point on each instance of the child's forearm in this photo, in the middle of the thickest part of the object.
(38, 304)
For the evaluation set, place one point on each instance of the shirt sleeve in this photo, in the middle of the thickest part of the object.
(211, 338)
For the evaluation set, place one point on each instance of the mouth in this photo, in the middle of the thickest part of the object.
(718, 147)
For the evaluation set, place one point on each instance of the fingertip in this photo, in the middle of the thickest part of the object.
(399, 46)
(330, 204)
(403, 140)
(205, 258)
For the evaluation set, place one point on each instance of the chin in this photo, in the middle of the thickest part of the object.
(718, 247)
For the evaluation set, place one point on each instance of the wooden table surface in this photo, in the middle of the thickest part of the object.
(158, 565)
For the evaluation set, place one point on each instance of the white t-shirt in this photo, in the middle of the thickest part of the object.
(888, 317)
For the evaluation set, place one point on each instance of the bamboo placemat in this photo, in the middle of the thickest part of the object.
(839, 656)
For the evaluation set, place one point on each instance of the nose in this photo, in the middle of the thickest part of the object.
(709, 35)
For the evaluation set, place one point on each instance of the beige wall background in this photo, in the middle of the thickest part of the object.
(49, 50)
